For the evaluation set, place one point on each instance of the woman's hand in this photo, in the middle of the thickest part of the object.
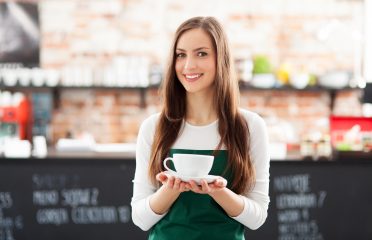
(162, 200)
(210, 188)
(173, 183)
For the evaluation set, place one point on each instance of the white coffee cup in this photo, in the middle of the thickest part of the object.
(16, 148)
(40, 146)
(190, 164)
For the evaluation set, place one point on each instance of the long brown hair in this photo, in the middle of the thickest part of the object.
(232, 126)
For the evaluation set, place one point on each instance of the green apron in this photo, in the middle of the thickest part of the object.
(198, 216)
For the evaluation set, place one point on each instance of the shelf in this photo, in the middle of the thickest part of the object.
(57, 89)
(246, 86)
(353, 156)
(242, 86)
(44, 87)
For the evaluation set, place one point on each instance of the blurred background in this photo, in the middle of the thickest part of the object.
(80, 76)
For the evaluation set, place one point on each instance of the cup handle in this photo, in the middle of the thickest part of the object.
(165, 164)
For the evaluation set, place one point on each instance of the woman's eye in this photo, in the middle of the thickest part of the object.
(180, 55)
(202, 54)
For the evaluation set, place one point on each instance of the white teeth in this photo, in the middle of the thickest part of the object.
(193, 76)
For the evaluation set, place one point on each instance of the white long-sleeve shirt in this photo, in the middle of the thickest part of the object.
(199, 138)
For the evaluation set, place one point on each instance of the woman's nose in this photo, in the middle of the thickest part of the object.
(189, 63)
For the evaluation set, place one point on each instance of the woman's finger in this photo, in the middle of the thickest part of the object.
(220, 183)
(161, 177)
(194, 187)
(170, 182)
(183, 187)
(205, 186)
(177, 183)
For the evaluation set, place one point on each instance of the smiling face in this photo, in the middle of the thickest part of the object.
(195, 61)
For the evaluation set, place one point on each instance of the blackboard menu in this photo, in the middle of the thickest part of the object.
(64, 199)
(90, 199)
(317, 201)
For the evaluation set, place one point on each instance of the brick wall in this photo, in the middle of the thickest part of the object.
(115, 115)
(96, 33)
(111, 116)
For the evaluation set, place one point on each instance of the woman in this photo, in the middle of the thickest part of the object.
(200, 115)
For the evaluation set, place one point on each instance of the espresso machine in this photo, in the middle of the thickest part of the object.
(15, 119)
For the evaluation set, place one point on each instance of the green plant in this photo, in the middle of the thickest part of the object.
(261, 64)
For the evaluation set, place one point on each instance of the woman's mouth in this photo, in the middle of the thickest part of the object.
(193, 77)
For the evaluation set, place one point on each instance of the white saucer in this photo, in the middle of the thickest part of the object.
(208, 178)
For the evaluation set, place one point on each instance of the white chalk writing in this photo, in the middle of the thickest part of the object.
(295, 183)
(44, 198)
(293, 200)
(75, 197)
(296, 201)
(89, 215)
(56, 216)
(6, 200)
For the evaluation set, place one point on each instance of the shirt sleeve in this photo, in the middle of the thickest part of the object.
(256, 202)
(142, 215)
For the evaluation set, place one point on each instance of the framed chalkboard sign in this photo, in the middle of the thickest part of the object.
(20, 33)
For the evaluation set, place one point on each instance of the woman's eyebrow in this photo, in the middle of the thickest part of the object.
(195, 50)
